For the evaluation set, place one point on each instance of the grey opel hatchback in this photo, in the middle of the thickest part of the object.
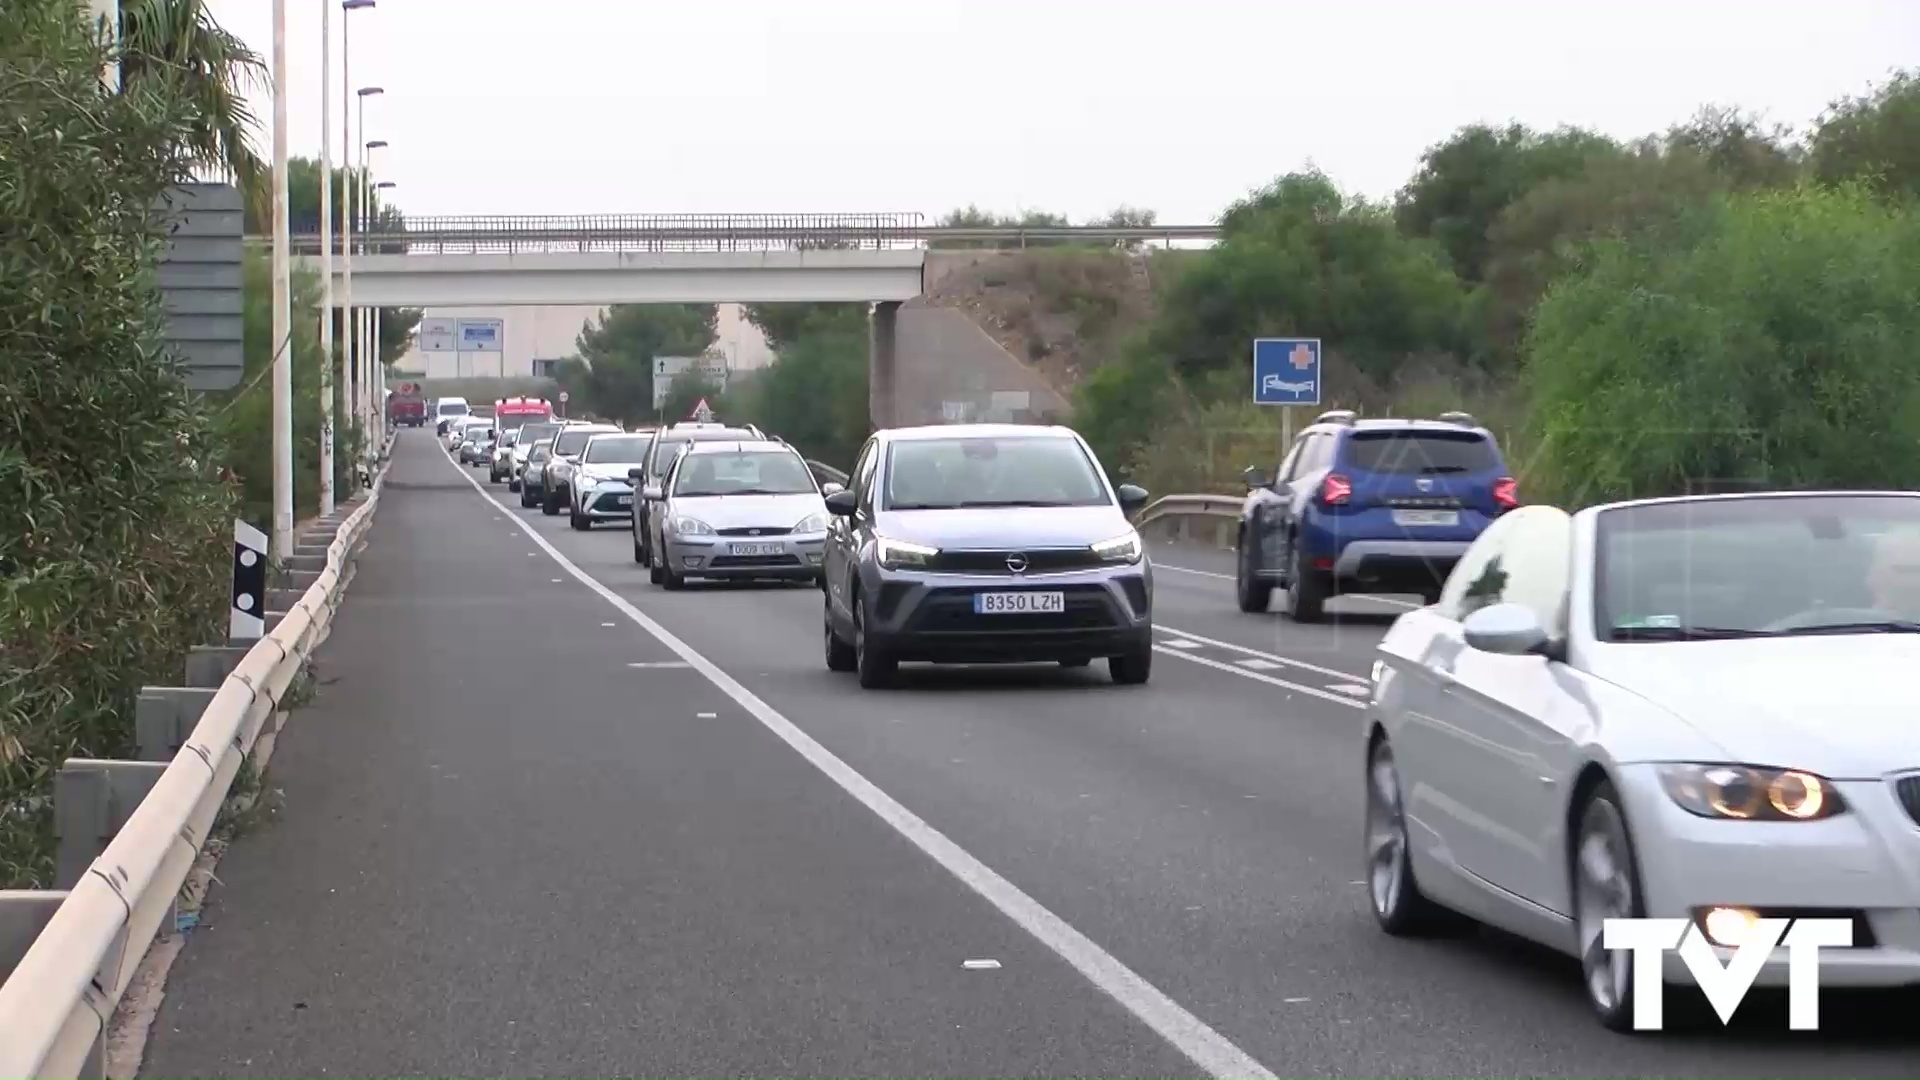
(985, 543)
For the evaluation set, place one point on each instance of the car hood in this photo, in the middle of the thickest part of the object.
(1843, 706)
(751, 511)
(1004, 528)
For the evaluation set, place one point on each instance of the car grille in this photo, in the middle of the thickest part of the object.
(1041, 561)
(952, 612)
(755, 531)
(611, 502)
(720, 562)
(1907, 790)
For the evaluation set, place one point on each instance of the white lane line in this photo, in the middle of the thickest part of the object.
(1255, 663)
(1351, 688)
(659, 664)
(1187, 1033)
(1242, 649)
(1181, 643)
(1302, 688)
(1158, 565)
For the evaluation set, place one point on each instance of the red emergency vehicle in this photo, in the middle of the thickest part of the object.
(510, 413)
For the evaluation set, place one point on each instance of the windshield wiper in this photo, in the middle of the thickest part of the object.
(762, 491)
(1684, 633)
(1884, 626)
(970, 504)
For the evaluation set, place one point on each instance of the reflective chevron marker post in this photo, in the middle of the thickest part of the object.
(248, 617)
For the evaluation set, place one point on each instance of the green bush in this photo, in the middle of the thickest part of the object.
(113, 540)
(1768, 337)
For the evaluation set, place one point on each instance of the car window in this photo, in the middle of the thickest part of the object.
(1783, 564)
(570, 441)
(1419, 453)
(533, 433)
(1290, 464)
(990, 470)
(664, 452)
(743, 472)
(541, 452)
(615, 448)
(452, 410)
(862, 476)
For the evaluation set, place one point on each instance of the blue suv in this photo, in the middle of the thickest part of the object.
(1368, 506)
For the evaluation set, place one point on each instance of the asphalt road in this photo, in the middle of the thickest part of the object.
(550, 820)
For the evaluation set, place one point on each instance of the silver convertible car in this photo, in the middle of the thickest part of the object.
(1700, 709)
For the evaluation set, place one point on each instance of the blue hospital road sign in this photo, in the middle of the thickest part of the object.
(1286, 371)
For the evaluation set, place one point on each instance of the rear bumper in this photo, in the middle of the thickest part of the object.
(1413, 564)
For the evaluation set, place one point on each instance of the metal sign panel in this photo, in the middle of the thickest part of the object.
(1286, 371)
(668, 368)
(439, 335)
(201, 283)
(482, 335)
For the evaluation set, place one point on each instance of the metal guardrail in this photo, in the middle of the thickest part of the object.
(56, 1006)
(1174, 517)
(719, 232)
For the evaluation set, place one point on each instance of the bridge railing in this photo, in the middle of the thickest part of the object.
(58, 1002)
(512, 235)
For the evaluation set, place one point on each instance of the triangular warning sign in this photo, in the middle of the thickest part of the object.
(703, 412)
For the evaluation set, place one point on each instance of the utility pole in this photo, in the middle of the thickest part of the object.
(282, 302)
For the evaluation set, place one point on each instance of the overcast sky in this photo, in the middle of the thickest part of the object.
(1181, 106)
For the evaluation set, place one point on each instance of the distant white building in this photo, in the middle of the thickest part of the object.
(536, 338)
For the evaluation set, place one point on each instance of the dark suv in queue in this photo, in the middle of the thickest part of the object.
(985, 543)
(1368, 506)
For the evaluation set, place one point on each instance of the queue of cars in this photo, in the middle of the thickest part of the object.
(954, 544)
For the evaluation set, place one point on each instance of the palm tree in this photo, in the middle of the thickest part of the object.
(214, 68)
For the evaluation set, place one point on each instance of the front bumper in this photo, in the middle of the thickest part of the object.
(927, 616)
(1863, 864)
(607, 502)
(798, 557)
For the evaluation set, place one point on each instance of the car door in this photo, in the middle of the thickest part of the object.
(1266, 511)
(1511, 723)
(642, 510)
(842, 549)
(1316, 455)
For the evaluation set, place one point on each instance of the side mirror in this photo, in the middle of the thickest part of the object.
(1505, 629)
(636, 474)
(831, 488)
(843, 503)
(1132, 497)
(652, 493)
(1254, 477)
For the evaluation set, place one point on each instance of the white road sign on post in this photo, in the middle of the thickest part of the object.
(482, 335)
(439, 335)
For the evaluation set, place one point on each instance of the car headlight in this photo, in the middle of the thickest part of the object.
(900, 554)
(691, 526)
(1750, 793)
(812, 523)
(1121, 549)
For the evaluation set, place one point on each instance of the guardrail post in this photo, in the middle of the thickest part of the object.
(209, 665)
(92, 799)
(23, 914)
(163, 717)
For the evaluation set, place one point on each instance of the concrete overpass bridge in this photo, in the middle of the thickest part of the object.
(884, 259)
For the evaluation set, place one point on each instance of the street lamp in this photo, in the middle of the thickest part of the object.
(282, 319)
(372, 412)
(349, 353)
(326, 256)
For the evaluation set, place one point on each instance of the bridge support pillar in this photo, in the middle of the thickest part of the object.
(882, 323)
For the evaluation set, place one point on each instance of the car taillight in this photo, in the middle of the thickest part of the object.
(1335, 490)
(1506, 492)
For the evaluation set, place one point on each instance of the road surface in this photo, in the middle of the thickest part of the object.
(546, 819)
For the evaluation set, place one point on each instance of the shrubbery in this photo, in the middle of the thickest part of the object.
(113, 550)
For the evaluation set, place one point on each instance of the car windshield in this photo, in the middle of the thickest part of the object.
(533, 433)
(744, 472)
(615, 448)
(1024, 470)
(540, 452)
(1758, 567)
(453, 410)
(663, 454)
(1418, 453)
(570, 440)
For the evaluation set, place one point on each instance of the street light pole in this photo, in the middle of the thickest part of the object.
(282, 302)
(367, 362)
(379, 364)
(349, 340)
(326, 256)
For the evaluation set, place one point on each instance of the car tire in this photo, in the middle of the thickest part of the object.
(526, 496)
(1306, 589)
(840, 654)
(1606, 892)
(672, 581)
(578, 520)
(876, 668)
(550, 503)
(1253, 595)
(1398, 905)
(1133, 667)
(512, 484)
(639, 553)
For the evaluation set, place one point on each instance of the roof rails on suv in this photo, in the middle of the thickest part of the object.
(1335, 416)
(1459, 418)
